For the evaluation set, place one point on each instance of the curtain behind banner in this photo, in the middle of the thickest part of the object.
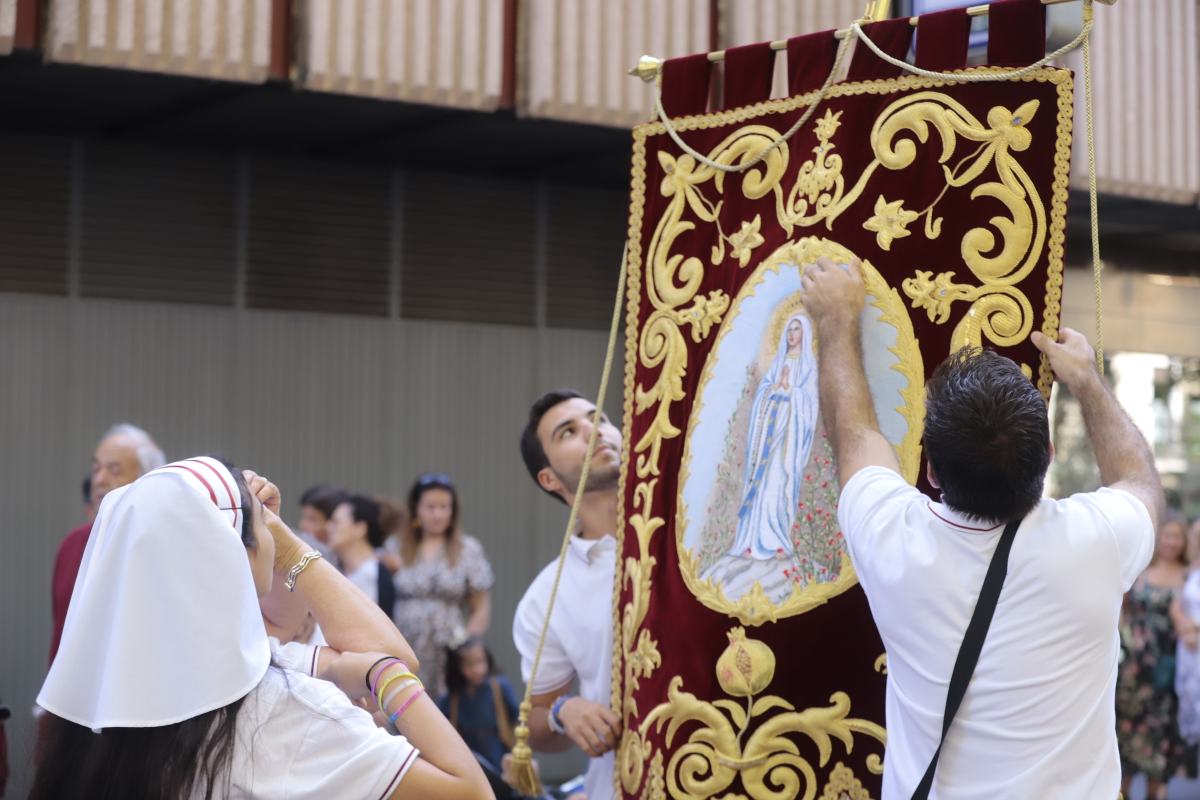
(746, 662)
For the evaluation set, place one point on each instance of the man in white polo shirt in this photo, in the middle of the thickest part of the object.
(578, 646)
(1037, 719)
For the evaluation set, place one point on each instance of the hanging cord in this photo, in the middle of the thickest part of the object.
(982, 77)
(524, 777)
(800, 123)
(1094, 205)
(856, 32)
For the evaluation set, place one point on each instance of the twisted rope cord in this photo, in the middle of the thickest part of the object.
(800, 123)
(982, 77)
(855, 31)
(524, 777)
(1093, 204)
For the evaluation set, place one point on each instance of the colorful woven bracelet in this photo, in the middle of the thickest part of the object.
(400, 711)
(392, 695)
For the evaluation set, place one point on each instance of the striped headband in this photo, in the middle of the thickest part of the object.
(212, 479)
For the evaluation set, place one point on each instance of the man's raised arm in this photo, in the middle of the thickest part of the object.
(1122, 453)
(834, 299)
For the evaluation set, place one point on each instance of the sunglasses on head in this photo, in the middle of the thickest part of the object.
(434, 479)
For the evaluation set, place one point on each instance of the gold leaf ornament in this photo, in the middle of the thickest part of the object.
(890, 222)
(936, 295)
(843, 785)
(745, 240)
(754, 744)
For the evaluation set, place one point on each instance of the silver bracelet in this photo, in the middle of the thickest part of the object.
(305, 560)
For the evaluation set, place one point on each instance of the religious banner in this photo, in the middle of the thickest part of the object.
(746, 663)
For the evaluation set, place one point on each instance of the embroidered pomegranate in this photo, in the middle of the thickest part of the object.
(746, 667)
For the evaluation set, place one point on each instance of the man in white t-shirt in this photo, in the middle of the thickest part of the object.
(578, 647)
(1037, 720)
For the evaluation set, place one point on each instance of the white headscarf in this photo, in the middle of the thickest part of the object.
(164, 622)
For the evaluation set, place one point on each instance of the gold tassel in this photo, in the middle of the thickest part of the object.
(524, 777)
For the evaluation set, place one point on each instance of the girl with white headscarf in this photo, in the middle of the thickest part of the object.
(166, 684)
(782, 421)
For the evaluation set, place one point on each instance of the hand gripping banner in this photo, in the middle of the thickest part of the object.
(746, 663)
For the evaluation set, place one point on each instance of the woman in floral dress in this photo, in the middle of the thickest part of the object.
(1186, 613)
(443, 579)
(1147, 731)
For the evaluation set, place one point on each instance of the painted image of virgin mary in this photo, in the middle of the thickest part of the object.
(783, 420)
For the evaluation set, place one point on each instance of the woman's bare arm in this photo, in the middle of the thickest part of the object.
(349, 620)
(480, 603)
(447, 768)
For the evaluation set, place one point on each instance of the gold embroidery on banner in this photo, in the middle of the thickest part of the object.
(843, 785)
(745, 240)
(672, 284)
(755, 607)
(749, 740)
(890, 222)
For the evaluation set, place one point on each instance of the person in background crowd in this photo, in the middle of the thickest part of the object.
(1185, 614)
(5, 713)
(444, 580)
(169, 688)
(578, 644)
(89, 508)
(393, 518)
(1147, 726)
(479, 701)
(354, 537)
(124, 453)
(317, 504)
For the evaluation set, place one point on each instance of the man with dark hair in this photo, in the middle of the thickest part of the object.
(355, 538)
(1037, 719)
(578, 646)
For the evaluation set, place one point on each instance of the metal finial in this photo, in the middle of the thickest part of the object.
(647, 68)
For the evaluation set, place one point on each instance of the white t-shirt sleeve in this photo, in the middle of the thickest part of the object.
(1127, 521)
(343, 753)
(295, 656)
(555, 669)
(871, 501)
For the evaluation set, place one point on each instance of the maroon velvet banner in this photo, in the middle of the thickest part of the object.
(746, 662)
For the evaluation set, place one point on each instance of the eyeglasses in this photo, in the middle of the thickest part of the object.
(435, 479)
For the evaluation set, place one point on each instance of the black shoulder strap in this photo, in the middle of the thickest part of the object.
(972, 645)
(386, 590)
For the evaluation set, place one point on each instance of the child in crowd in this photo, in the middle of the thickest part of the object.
(480, 702)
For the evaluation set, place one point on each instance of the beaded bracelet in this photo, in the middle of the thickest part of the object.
(400, 711)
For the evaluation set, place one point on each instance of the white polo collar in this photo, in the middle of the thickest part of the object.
(589, 550)
(960, 521)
